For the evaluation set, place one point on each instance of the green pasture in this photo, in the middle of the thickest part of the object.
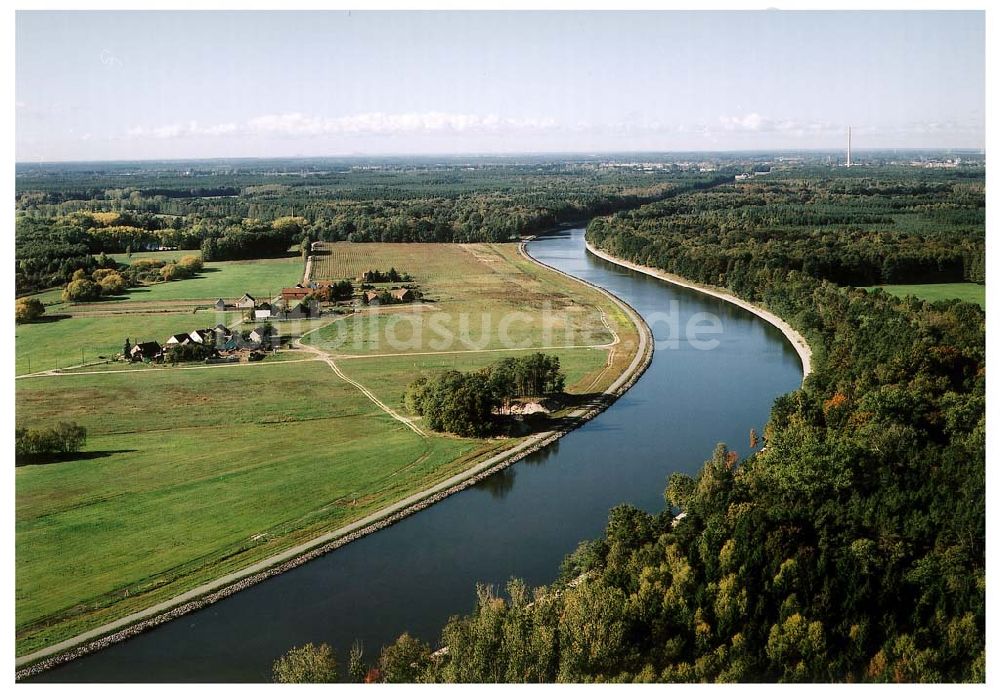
(70, 341)
(188, 475)
(970, 293)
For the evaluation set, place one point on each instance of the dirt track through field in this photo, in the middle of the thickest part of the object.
(365, 391)
(69, 370)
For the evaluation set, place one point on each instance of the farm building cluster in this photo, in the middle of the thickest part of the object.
(218, 344)
(308, 299)
(263, 310)
(395, 295)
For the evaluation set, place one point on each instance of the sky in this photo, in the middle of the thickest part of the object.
(151, 85)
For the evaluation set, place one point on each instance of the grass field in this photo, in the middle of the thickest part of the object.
(229, 280)
(74, 340)
(166, 256)
(261, 278)
(448, 270)
(191, 473)
(194, 473)
(472, 326)
(971, 293)
(482, 297)
(347, 260)
(387, 376)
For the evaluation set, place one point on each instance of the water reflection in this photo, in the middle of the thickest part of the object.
(499, 484)
(542, 455)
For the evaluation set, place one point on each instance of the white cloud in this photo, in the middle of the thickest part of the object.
(748, 122)
(191, 128)
(220, 129)
(756, 123)
(297, 124)
(473, 130)
(379, 123)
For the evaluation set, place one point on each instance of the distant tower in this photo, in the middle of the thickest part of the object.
(848, 146)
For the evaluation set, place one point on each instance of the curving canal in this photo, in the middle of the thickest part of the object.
(521, 522)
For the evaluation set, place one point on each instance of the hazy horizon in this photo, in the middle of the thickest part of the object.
(141, 86)
(511, 155)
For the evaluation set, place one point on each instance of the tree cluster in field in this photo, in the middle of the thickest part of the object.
(858, 232)
(336, 291)
(384, 296)
(149, 270)
(191, 351)
(466, 404)
(89, 287)
(44, 442)
(114, 279)
(28, 310)
(374, 276)
(852, 548)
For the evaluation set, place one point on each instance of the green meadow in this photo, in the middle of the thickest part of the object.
(388, 377)
(261, 278)
(971, 293)
(188, 475)
(70, 341)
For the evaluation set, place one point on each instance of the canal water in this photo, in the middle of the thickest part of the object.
(519, 523)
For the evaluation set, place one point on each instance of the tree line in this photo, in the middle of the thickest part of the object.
(66, 218)
(904, 233)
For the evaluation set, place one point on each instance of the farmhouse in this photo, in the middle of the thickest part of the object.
(246, 302)
(299, 312)
(261, 335)
(296, 293)
(403, 295)
(176, 339)
(203, 336)
(262, 314)
(146, 351)
(371, 296)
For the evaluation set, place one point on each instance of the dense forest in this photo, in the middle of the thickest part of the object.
(850, 544)
(903, 227)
